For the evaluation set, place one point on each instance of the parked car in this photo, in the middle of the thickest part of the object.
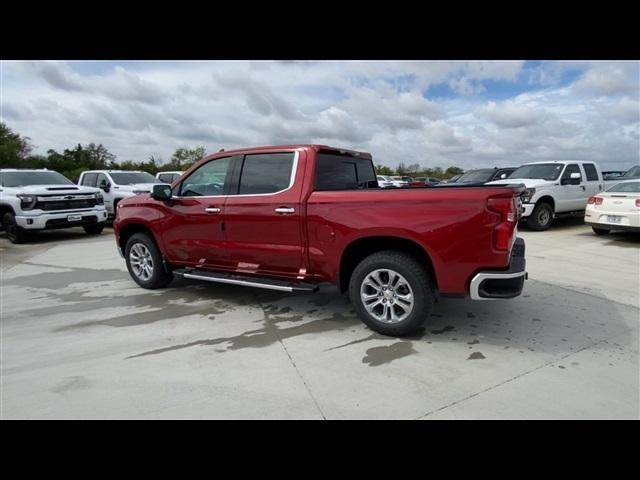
(632, 174)
(168, 177)
(612, 174)
(428, 181)
(293, 217)
(399, 182)
(385, 182)
(452, 179)
(617, 208)
(118, 184)
(32, 200)
(555, 189)
(485, 175)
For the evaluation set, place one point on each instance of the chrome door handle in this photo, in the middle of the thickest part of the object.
(285, 210)
(212, 210)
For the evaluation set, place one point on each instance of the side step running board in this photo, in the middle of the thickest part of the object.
(234, 279)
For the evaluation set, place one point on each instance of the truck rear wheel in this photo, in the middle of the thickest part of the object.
(541, 217)
(15, 233)
(144, 262)
(391, 292)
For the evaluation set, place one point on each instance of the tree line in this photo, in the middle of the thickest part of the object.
(16, 152)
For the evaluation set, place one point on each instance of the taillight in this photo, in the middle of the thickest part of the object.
(503, 231)
(595, 200)
(637, 202)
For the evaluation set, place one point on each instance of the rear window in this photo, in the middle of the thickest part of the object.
(477, 176)
(591, 172)
(629, 187)
(341, 172)
(266, 173)
(130, 178)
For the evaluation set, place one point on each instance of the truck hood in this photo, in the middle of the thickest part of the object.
(137, 187)
(55, 189)
(528, 182)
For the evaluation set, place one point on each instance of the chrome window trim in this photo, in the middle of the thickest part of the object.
(292, 179)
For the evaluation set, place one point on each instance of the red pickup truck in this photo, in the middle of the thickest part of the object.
(294, 217)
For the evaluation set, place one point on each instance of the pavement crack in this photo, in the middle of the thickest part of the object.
(274, 330)
(516, 377)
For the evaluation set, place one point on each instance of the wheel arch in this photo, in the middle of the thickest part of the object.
(362, 247)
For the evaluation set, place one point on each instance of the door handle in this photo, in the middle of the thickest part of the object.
(212, 210)
(282, 210)
(583, 187)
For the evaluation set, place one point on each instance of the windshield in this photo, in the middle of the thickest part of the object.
(543, 171)
(477, 176)
(632, 172)
(23, 179)
(129, 178)
(629, 187)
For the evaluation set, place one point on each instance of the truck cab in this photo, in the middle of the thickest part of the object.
(296, 217)
(554, 189)
(117, 184)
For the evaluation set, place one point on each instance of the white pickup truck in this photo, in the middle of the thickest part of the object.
(33, 200)
(555, 189)
(118, 184)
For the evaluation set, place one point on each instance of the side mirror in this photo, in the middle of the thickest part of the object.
(161, 192)
(105, 186)
(574, 179)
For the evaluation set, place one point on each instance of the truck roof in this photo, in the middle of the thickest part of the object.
(562, 161)
(316, 147)
(25, 170)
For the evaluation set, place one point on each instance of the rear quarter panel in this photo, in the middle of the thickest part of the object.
(452, 225)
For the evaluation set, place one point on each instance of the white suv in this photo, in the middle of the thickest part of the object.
(43, 199)
(555, 189)
(118, 184)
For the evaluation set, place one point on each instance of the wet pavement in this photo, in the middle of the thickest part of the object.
(79, 339)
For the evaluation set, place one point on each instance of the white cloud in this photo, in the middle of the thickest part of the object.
(141, 108)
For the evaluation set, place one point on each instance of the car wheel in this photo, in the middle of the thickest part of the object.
(15, 233)
(600, 231)
(392, 293)
(144, 262)
(541, 217)
(94, 229)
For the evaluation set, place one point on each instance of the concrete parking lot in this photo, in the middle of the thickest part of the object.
(79, 339)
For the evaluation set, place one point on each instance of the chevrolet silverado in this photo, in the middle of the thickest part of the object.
(295, 217)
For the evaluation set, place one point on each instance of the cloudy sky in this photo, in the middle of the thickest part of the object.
(435, 113)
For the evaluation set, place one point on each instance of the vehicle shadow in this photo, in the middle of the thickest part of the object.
(49, 236)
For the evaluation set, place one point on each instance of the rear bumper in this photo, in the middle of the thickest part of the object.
(614, 226)
(495, 285)
(60, 219)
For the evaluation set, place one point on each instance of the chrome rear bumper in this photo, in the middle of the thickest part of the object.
(501, 284)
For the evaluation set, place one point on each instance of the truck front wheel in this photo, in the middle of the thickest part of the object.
(144, 262)
(541, 217)
(392, 293)
(15, 233)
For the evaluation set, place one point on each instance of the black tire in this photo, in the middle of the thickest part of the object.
(541, 218)
(600, 231)
(417, 278)
(15, 234)
(159, 277)
(94, 228)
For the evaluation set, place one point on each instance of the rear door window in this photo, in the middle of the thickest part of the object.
(591, 172)
(266, 173)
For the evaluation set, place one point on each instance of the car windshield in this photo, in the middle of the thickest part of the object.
(542, 171)
(129, 178)
(477, 176)
(633, 172)
(629, 187)
(26, 178)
